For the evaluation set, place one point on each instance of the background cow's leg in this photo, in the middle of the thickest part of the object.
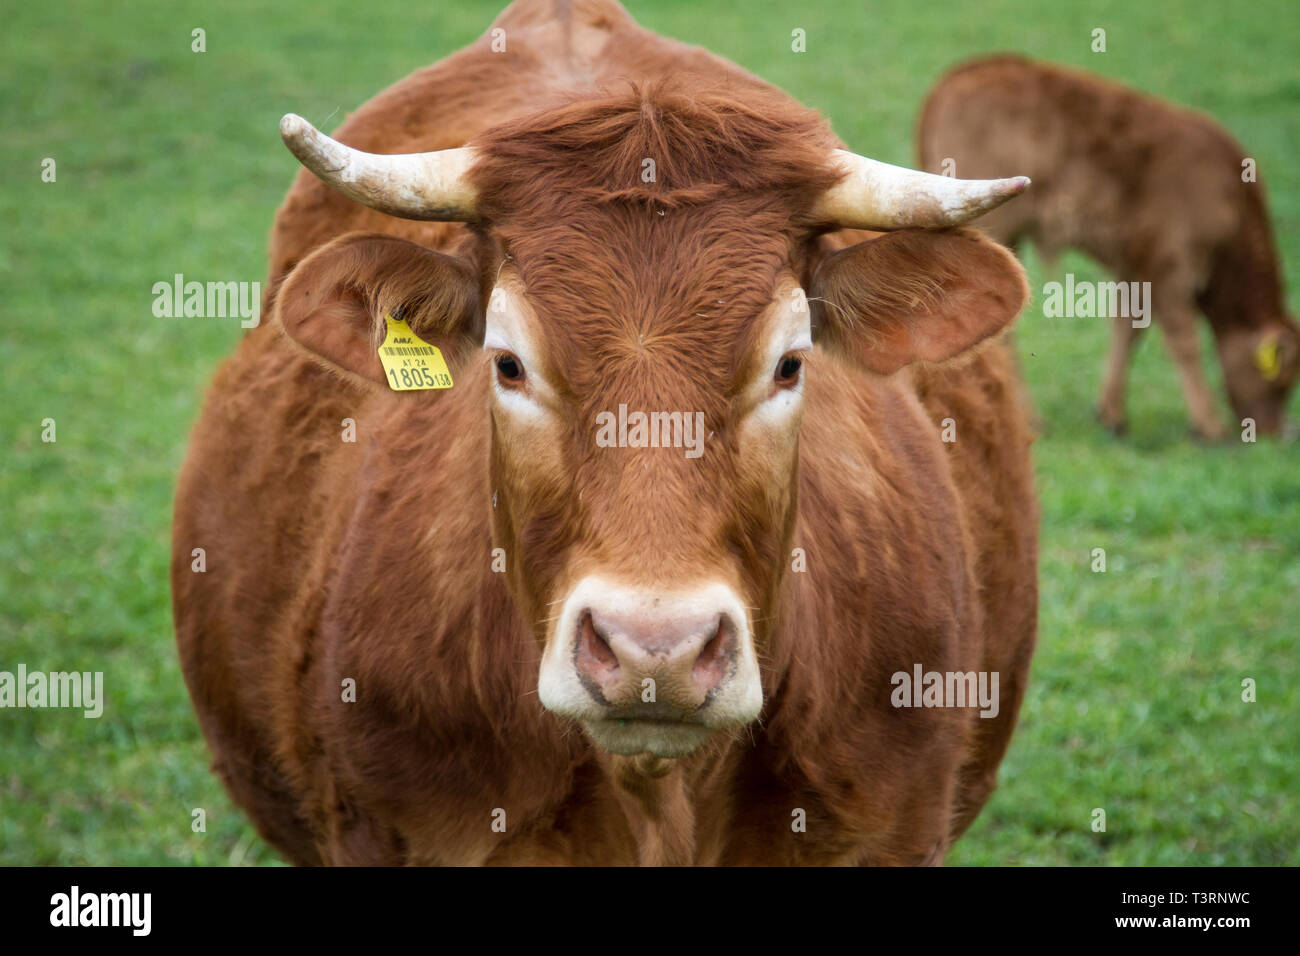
(1123, 342)
(1179, 321)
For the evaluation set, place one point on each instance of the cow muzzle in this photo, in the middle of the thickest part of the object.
(651, 671)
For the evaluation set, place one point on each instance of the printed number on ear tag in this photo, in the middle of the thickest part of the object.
(409, 362)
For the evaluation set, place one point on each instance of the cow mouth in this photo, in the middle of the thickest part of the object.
(634, 736)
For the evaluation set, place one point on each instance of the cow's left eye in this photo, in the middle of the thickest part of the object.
(787, 370)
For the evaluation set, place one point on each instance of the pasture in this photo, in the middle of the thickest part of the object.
(169, 161)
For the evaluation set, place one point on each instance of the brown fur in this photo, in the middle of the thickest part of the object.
(371, 561)
(1152, 192)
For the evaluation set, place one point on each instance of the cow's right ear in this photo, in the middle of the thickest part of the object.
(334, 302)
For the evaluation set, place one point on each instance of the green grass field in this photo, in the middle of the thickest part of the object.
(169, 161)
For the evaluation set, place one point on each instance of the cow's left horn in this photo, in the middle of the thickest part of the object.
(429, 186)
(876, 195)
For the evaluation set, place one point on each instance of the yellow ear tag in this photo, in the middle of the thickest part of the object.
(409, 362)
(1266, 360)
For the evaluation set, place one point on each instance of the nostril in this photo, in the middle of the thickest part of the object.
(714, 662)
(594, 654)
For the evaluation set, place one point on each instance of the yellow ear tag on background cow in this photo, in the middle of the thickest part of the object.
(409, 362)
(1266, 360)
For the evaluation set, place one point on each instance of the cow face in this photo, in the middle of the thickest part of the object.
(1260, 369)
(645, 436)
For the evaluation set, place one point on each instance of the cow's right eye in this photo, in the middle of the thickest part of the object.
(509, 369)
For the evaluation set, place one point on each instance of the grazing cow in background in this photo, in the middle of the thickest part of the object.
(496, 622)
(1155, 194)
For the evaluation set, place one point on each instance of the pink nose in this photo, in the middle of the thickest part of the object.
(654, 666)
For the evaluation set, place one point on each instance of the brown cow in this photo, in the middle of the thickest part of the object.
(1155, 194)
(477, 634)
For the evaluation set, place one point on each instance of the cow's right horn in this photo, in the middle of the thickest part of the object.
(430, 186)
(878, 196)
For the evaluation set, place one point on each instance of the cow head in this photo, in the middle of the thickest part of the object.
(646, 279)
(1260, 368)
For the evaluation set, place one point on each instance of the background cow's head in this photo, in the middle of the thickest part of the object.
(645, 280)
(1261, 366)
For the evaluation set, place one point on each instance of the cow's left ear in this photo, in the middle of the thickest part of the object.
(915, 295)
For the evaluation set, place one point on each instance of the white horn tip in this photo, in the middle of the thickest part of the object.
(293, 126)
(998, 192)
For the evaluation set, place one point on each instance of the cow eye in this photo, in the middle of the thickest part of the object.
(787, 370)
(510, 370)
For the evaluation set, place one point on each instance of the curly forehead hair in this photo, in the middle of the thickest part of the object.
(656, 218)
